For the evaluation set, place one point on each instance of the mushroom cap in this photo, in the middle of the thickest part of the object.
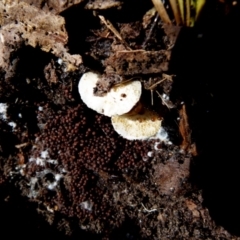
(137, 127)
(119, 100)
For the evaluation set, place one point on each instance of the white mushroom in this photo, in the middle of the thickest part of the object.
(119, 100)
(140, 126)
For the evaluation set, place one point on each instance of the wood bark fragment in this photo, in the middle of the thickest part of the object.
(138, 62)
(185, 132)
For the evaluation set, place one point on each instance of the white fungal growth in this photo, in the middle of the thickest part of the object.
(150, 154)
(162, 135)
(52, 186)
(157, 146)
(43, 159)
(33, 193)
(87, 205)
(60, 61)
(44, 154)
(3, 111)
(58, 176)
(52, 161)
(39, 161)
(12, 124)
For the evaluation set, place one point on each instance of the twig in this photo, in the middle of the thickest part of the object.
(122, 82)
(149, 210)
(21, 145)
(114, 31)
(150, 31)
(155, 84)
(168, 77)
(176, 12)
(161, 11)
(152, 97)
(151, 88)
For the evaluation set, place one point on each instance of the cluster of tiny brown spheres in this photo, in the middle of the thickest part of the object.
(88, 149)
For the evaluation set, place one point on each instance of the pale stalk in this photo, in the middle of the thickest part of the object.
(161, 11)
(181, 8)
(192, 17)
(176, 11)
(188, 13)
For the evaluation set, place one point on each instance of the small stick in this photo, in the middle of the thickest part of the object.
(124, 81)
(176, 11)
(151, 97)
(168, 77)
(150, 31)
(114, 31)
(149, 210)
(155, 84)
(21, 145)
(161, 11)
(151, 88)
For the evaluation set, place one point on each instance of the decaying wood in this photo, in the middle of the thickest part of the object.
(138, 62)
(185, 132)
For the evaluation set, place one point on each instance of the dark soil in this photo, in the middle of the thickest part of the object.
(65, 173)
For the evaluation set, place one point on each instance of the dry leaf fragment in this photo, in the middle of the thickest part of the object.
(25, 24)
(193, 208)
(103, 4)
(54, 6)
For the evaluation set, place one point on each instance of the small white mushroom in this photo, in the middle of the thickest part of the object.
(119, 100)
(140, 126)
